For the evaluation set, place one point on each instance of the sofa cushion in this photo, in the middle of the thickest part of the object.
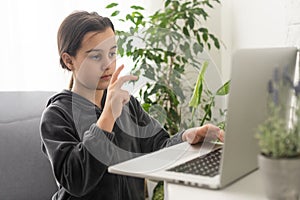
(25, 172)
(22, 105)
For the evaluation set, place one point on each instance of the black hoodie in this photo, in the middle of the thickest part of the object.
(80, 152)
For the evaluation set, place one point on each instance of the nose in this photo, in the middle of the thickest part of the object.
(106, 64)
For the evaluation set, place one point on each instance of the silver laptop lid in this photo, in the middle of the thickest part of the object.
(251, 71)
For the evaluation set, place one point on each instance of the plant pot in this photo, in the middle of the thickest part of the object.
(281, 177)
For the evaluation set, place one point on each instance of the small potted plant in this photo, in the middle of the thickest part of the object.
(279, 138)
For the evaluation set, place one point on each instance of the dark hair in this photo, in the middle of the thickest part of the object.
(73, 29)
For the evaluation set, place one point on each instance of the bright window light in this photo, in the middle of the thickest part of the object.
(28, 55)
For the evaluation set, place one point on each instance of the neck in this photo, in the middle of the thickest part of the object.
(93, 95)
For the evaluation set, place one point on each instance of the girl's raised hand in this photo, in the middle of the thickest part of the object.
(115, 100)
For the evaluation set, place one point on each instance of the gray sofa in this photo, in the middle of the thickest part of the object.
(25, 172)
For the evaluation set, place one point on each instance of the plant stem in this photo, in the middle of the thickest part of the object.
(193, 113)
(206, 112)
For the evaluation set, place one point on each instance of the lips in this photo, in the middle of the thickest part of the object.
(105, 77)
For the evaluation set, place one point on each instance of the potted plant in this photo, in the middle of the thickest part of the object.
(163, 46)
(279, 138)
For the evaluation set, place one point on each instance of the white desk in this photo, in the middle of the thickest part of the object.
(249, 187)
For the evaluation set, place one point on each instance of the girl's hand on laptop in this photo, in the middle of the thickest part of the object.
(197, 134)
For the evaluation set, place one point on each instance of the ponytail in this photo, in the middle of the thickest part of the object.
(71, 83)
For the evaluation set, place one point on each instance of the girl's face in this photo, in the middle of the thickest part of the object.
(95, 61)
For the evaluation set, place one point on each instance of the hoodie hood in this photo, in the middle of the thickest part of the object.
(68, 97)
(77, 109)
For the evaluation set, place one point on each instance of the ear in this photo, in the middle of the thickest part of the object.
(68, 61)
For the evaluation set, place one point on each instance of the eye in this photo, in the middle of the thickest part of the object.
(96, 57)
(112, 54)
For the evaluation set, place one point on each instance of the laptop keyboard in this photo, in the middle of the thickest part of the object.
(206, 165)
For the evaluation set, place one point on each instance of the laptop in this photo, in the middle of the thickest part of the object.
(237, 157)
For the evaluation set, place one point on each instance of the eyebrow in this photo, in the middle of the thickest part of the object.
(97, 50)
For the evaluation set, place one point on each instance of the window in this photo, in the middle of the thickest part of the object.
(28, 55)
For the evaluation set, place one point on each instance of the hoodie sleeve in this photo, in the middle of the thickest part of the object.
(157, 137)
(78, 164)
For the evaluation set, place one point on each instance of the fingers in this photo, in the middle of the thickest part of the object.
(213, 132)
(116, 74)
(221, 135)
(207, 132)
(193, 138)
(125, 97)
(116, 96)
(118, 82)
(210, 131)
(115, 102)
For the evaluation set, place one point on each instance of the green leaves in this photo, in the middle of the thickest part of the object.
(275, 140)
(191, 22)
(279, 135)
(200, 12)
(197, 93)
(115, 13)
(137, 7)
(161, 47)
(158, 192)
(185, 31)
(224, 89)
(167, 2)
(216, 41)
(111, 5)
(197, 48)
(197, 98)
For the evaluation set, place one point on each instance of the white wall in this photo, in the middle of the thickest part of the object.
(258, 23)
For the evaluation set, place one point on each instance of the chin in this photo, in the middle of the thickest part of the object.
(96, 87)
(102, 87)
